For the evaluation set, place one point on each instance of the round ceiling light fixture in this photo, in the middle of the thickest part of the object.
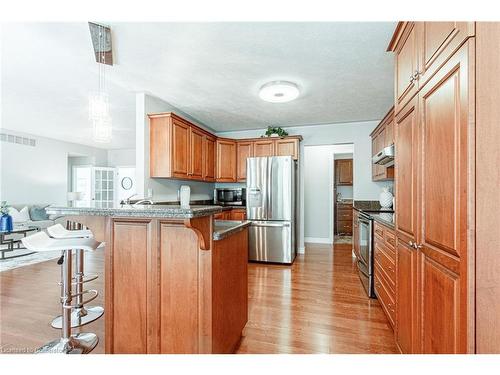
(279, 92)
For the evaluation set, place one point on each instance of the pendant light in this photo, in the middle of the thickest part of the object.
(99, 113)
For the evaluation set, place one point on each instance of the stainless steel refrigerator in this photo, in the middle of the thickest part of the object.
(271, 208)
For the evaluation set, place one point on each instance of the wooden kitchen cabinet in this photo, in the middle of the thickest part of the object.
(385, 270)
(382, 136)
(287, 147)
(446, 128)
(343, 172)
(244, 150)
(179, 149)
(434, 138)
(226, 160)
(404, 44)
(264, 147)
(196, 140)
(407, 303)
(437, 42)
(209, 156)
(239, 214)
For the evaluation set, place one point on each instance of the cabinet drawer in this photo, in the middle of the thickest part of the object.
(386, 266)
(390, 241)
(344, 215)
(386, 300)
(344, 226)
(378, 231)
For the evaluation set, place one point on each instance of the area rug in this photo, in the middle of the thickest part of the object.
(26, 260)
(343, 239)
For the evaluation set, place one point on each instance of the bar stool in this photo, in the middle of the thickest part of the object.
(80, 315)
(80, 343)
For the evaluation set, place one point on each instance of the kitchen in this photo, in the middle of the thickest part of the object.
(234, 269)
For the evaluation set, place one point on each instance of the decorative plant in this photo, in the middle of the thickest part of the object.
(272, 130)
(4, 208)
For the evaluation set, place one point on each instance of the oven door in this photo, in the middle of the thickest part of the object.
(365, 243)
(365, 261)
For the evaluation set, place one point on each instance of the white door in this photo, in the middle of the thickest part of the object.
(104, 187)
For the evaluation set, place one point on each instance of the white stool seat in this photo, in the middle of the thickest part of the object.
(58, 231)
(41, 242)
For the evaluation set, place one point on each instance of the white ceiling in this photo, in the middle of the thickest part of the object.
(212, 71)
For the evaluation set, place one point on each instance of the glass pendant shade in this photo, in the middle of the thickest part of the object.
(98, 105)
(102, 129)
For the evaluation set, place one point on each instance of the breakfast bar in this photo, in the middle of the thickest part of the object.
(175, 279)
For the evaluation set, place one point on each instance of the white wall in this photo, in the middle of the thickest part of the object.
(357, 133)
(162, 189)
(121, 158)
(40, 174)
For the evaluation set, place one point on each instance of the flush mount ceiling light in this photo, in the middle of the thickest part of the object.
(279, 92)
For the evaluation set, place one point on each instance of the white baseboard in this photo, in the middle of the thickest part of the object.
(318, 240)
(301, 250)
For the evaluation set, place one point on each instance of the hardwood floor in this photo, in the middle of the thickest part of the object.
(316, 306)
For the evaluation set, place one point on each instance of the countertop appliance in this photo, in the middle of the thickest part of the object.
(271, 206)
(385, 156)
(230, 196)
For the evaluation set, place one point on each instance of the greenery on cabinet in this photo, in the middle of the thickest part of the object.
(279, 131)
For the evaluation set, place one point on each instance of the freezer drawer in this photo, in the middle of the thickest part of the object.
(272, 242)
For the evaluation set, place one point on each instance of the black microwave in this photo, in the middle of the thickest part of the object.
(230, 196)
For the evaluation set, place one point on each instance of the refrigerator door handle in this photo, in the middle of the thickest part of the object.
(270, 224)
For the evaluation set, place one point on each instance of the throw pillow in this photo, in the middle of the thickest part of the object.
(21, 216)
(38, 213)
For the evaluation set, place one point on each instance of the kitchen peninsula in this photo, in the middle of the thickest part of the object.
(175, 279)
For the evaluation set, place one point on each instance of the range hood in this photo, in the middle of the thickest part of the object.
(384, 157)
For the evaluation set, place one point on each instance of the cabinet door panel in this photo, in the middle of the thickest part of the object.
(180, 149)
(406, 127)
(406, 298)
(406, 66)
(287, 147)
(264, 148)
(446, 122)
(196, 154)
(226, 160)
(438, 41)
(209, 159)
(244, 151)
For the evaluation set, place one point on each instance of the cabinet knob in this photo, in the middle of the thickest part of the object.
(411, 243)
(418, 247)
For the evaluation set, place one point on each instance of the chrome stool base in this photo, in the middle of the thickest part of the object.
(81, 343)
(80, 317)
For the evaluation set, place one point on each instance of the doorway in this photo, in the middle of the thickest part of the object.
(343, 186)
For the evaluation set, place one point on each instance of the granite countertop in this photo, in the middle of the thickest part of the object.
(370, 206)
(384, 218)
(226, 228)
(149, 211)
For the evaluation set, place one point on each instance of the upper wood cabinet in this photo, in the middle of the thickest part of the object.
(437, 41)
(287, 147)
(421, 48)
(383, 136)
(244, 150)
(179, 149)
(343, 172)
(264, 147)
(226, 160)
(405, 46)
(209, 156)
(197, 139)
